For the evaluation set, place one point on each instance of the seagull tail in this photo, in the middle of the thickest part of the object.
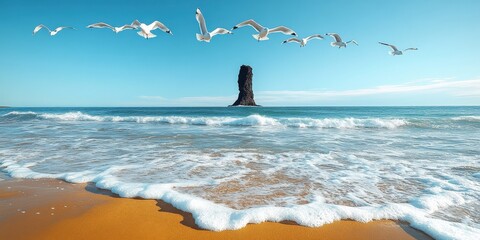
(146, 35)
(256, 36)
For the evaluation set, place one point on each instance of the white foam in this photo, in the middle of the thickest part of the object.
(345, 123)
(209, 215)
(13, 113)
(252, 120)
(467, 118)
(72, 116)
(433, 202)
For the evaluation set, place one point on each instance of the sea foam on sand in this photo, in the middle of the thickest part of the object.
(211, 216)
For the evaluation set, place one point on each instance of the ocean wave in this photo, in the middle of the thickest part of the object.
(20, 115)
(252, 120)
(467, 118)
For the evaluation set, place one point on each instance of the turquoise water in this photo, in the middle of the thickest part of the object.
(233, 166)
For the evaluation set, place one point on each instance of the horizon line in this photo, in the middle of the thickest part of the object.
(261, 106)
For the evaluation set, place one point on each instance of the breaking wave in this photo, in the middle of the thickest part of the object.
(252, 120)
(467, 118)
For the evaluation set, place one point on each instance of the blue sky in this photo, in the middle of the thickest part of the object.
(96, 67)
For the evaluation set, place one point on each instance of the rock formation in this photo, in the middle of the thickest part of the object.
(245, 96)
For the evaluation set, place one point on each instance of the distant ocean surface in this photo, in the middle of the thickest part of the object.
(234, 166)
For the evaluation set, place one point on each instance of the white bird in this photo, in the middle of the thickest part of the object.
(115, 29)
(205, 35)
(263, 31)
(338, 41)
(395, 50)
(303, 41)
(145, 30)
(52, 33)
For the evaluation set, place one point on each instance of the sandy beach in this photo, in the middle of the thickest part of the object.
(53, 209)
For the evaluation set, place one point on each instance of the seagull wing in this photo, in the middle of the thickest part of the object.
(220, 31)
(408, 49)
(282, 29)
(58, 29)
(335, 36)
(126, 26)
(390, 45)
(316, 36)
(37, 28)
(251, 23)
(157, 24)
(201, 22)
(100, 25)
(352, 41)
(292, 40)
(136, 24)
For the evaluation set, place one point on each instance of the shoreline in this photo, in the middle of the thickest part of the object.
(54, 209)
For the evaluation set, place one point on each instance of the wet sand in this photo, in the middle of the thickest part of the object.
(53, 209)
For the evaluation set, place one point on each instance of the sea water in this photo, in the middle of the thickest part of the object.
(234, 166)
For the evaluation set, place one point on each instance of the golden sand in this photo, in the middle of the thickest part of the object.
(52, 209)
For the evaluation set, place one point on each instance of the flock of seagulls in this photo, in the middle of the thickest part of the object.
(145, 31)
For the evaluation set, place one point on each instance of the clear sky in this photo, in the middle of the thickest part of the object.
(96, 67)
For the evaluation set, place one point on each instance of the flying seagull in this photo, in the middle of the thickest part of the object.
(263, 31)
(145, 30)
(303, 41)
(395, 50)
(52, 33)
(338, 41)
(115, 29)
(205, 35)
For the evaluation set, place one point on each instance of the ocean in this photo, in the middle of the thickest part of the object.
(234, 166)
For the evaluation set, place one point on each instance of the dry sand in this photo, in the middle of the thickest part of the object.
(53, 209)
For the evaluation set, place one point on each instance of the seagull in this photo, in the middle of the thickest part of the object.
(303, 41)
(52, 33)
(145, 30)
(207, 36)
(338, 41)
(263, 31)
(395, 50)
(115, 29)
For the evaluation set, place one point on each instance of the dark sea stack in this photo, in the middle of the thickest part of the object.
(245, 96)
